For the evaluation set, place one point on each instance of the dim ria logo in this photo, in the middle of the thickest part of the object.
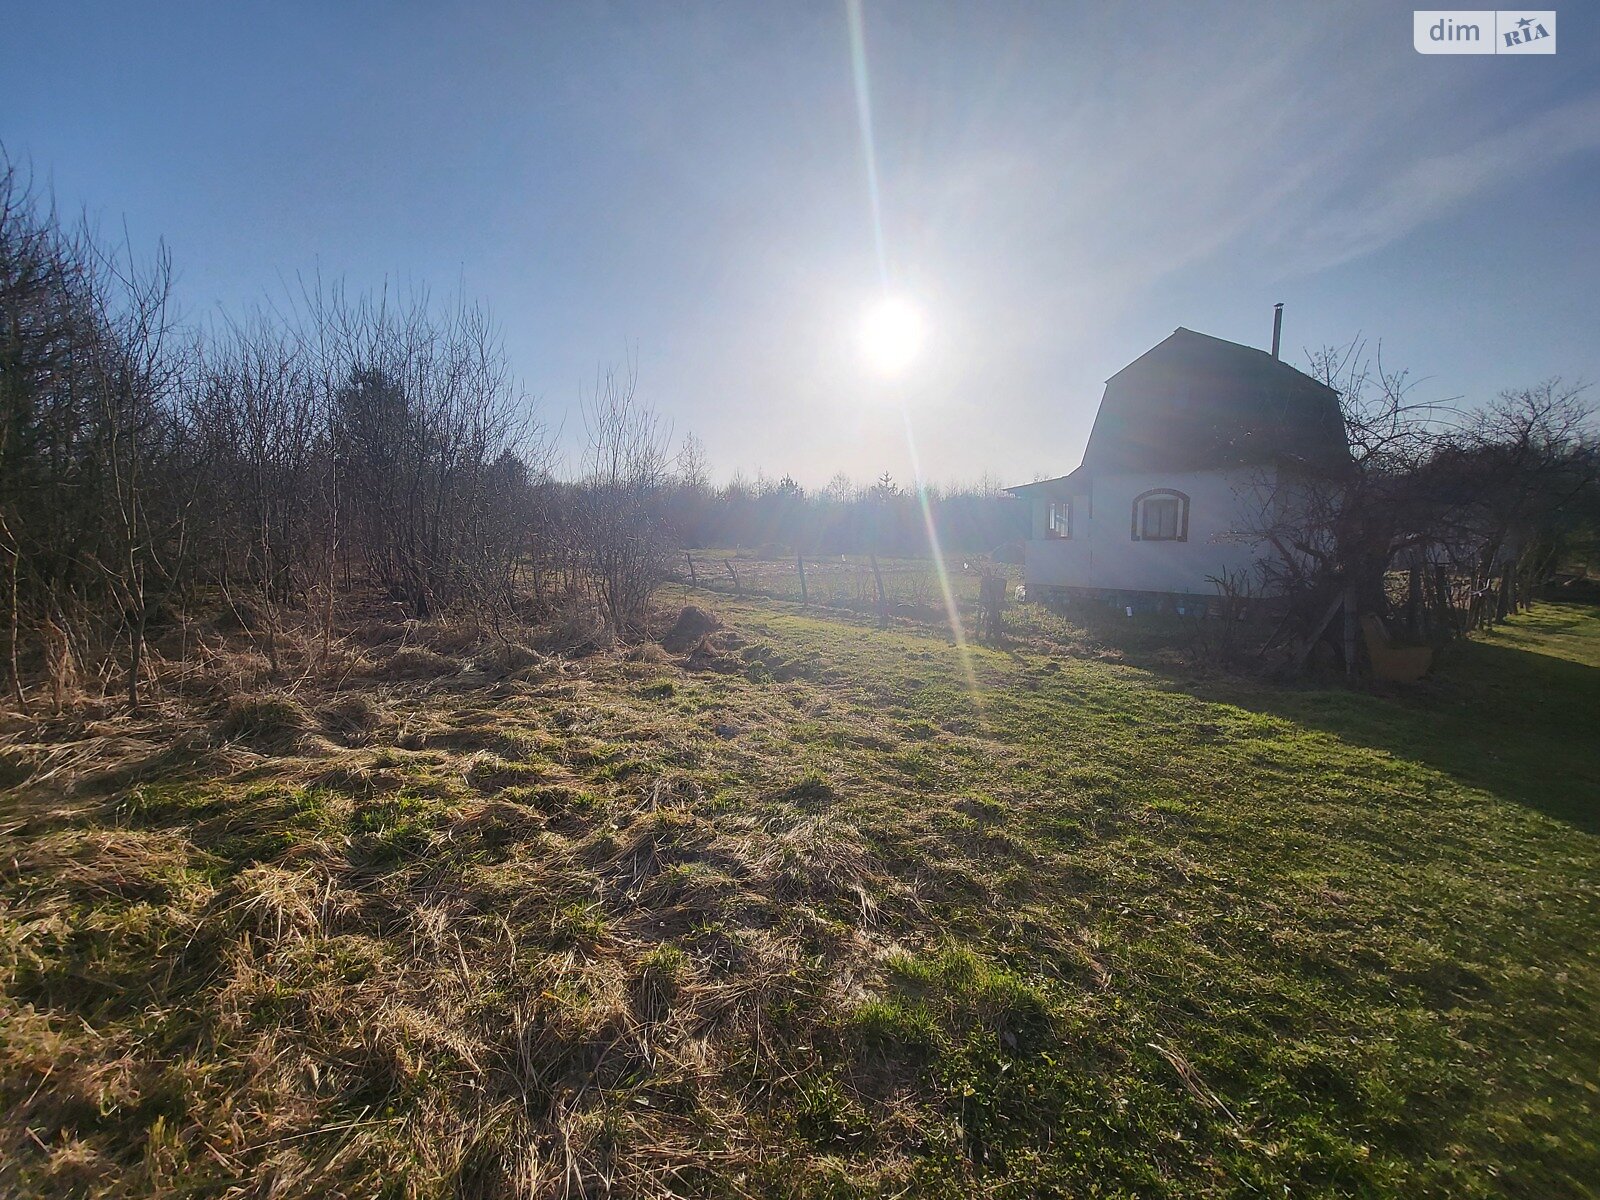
(1484, 31)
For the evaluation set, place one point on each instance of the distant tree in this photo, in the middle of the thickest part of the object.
(841, 489)
(626, 540)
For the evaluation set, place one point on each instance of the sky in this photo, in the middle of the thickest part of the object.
(685, 186)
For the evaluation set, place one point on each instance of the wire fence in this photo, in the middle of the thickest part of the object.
(840, 580)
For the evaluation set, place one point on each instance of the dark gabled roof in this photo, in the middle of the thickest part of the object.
(1195, 401)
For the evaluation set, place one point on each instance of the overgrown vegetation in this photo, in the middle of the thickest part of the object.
(366, 832)
(330, 451)
(1441, 520)
(345, 449)
(787, 910)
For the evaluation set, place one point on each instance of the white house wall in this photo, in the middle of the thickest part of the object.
(1101, 553)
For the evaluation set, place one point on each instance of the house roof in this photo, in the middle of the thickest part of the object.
(1194, 402)
(1061, 485)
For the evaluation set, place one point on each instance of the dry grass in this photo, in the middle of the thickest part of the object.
(417, 662)
(271, 724)
(577, 628)
(493, 971)
(808, 923)
(353, 717)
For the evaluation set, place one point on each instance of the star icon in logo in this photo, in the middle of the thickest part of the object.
(1525, 22)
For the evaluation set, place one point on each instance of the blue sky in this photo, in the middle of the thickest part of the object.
(1062, 185)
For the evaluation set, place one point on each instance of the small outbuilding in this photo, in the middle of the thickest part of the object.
(1195, 443)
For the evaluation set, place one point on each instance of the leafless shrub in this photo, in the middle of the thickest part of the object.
(260, 469)
(1215, 627)
(1470, 507)
(626, 545)
(94, 497)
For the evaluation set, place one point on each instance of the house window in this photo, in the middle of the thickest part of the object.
(1058, 520)
(1161, 515)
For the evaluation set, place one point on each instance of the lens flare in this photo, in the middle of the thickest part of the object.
(892, 336)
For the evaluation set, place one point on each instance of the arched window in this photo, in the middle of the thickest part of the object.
(1161, 515)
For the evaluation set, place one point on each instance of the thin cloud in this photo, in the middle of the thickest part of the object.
(1435, 185)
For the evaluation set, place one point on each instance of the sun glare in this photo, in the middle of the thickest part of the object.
(892, 334)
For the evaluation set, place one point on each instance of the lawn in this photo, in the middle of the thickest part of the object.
(819, 910)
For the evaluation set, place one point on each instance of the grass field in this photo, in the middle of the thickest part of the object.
(830, 915)
(841, 580)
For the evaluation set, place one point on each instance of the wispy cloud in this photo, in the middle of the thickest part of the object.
(1433, 185)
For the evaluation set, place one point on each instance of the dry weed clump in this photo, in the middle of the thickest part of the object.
(648, 653)
(452, 635)
(236, 669)
(692, 625)
(823, 858)
(275, 903)
(96, 864)
(244, 614)
(716, 651)
(495, 825)
(352, 717)
(417, 662)
(269, 724)
(577, 629)
(485, 772)
(502, 658)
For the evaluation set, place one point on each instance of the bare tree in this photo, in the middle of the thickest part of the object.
(137, 462)
(425, 428)
(93, 502)
(627, 469)
(1459, 506)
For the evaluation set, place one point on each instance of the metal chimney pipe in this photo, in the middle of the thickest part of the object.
(1277, 326)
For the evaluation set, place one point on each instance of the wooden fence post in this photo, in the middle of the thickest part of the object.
(800, 562)
(1442, 597)
(883, 600)
(734, 575)
(1349, 630)
(693, 581)
(1414, 602)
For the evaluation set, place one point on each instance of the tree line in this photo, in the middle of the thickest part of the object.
(884, 517)
(353, 444)
(298, 459)
(335, 447)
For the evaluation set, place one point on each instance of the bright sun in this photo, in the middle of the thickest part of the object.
(892, 333)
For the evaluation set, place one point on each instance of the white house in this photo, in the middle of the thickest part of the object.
(1194, 440)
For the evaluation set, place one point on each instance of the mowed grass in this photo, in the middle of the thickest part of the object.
(846, 915)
